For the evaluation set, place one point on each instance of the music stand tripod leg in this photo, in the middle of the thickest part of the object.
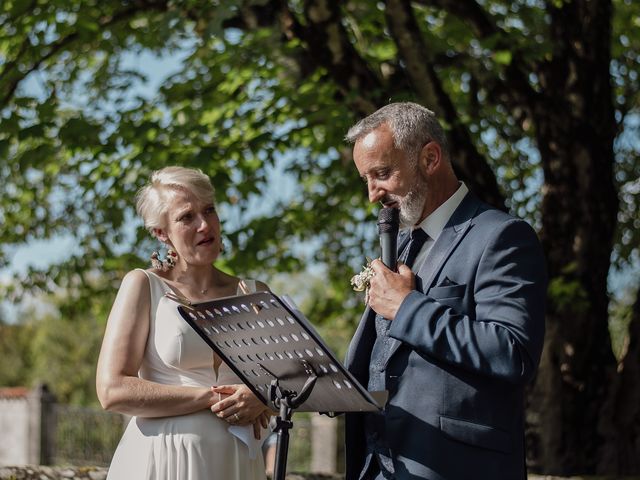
(286, 401)
(282, 427)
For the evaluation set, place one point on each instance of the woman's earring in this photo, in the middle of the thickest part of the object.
(167, 263)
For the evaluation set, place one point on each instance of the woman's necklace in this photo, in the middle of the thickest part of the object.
(192, 288)
(203, 291)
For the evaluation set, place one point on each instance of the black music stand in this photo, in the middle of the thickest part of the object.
(276, 352)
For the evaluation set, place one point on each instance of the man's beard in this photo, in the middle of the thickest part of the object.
(412, 204)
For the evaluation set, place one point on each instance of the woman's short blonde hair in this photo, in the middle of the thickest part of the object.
(152, 200)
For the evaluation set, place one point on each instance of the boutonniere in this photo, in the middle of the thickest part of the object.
(360, 281)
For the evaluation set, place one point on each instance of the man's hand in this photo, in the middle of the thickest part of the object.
(388, 289)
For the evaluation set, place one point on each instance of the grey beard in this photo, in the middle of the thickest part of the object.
(412, 204)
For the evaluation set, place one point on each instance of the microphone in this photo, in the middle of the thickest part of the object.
(388, 225)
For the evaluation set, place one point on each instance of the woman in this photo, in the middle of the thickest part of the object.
(189, 409)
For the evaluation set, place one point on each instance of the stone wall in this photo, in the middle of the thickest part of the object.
(14, 425)
(25, 423)
(92, 473)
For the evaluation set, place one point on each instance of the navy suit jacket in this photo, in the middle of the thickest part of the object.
(466, 342)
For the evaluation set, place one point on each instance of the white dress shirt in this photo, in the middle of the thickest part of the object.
(435, 223)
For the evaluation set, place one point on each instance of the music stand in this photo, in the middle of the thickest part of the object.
(276, 352)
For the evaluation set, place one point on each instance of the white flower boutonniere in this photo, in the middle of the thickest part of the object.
(360, 281)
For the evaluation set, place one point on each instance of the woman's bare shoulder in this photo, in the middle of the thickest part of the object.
(136, 280)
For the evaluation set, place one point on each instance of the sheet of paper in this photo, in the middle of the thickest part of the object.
(245, 434)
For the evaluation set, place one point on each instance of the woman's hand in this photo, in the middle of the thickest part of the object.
(240, 407)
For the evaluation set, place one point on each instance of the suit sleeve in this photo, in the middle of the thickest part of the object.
(503, 337)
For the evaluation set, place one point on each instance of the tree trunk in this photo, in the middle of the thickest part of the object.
(575, 132)
(577, 361)
(620, 420)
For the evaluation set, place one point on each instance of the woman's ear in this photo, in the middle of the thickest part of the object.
(160, 235)
(430, 157)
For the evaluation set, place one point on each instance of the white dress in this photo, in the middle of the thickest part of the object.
(197, 446)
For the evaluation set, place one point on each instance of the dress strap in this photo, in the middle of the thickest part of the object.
(251, 286)
(155, 280)
(157, 285)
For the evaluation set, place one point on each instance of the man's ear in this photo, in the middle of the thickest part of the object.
(160, 234)
(430, 157)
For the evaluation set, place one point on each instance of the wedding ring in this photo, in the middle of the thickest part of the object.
(235, 415)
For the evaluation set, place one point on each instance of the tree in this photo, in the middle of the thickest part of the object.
(65, 345)
(15, 354)
(57, 344)
(539, 99)
(624, 404)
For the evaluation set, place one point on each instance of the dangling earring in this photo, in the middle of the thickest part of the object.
(167, 263)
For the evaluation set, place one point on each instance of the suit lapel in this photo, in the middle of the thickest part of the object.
(440, 252)
(453, 232)
(362, 333)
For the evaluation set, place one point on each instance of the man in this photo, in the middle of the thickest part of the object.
(453, 339)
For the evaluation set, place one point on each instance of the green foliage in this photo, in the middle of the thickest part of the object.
(15, 354)
(66, 356)
(566, 291)
(59, 348)
(620, 314)
(79, 140)
(253, 108)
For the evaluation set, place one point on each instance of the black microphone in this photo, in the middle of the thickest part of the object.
(388, 225)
